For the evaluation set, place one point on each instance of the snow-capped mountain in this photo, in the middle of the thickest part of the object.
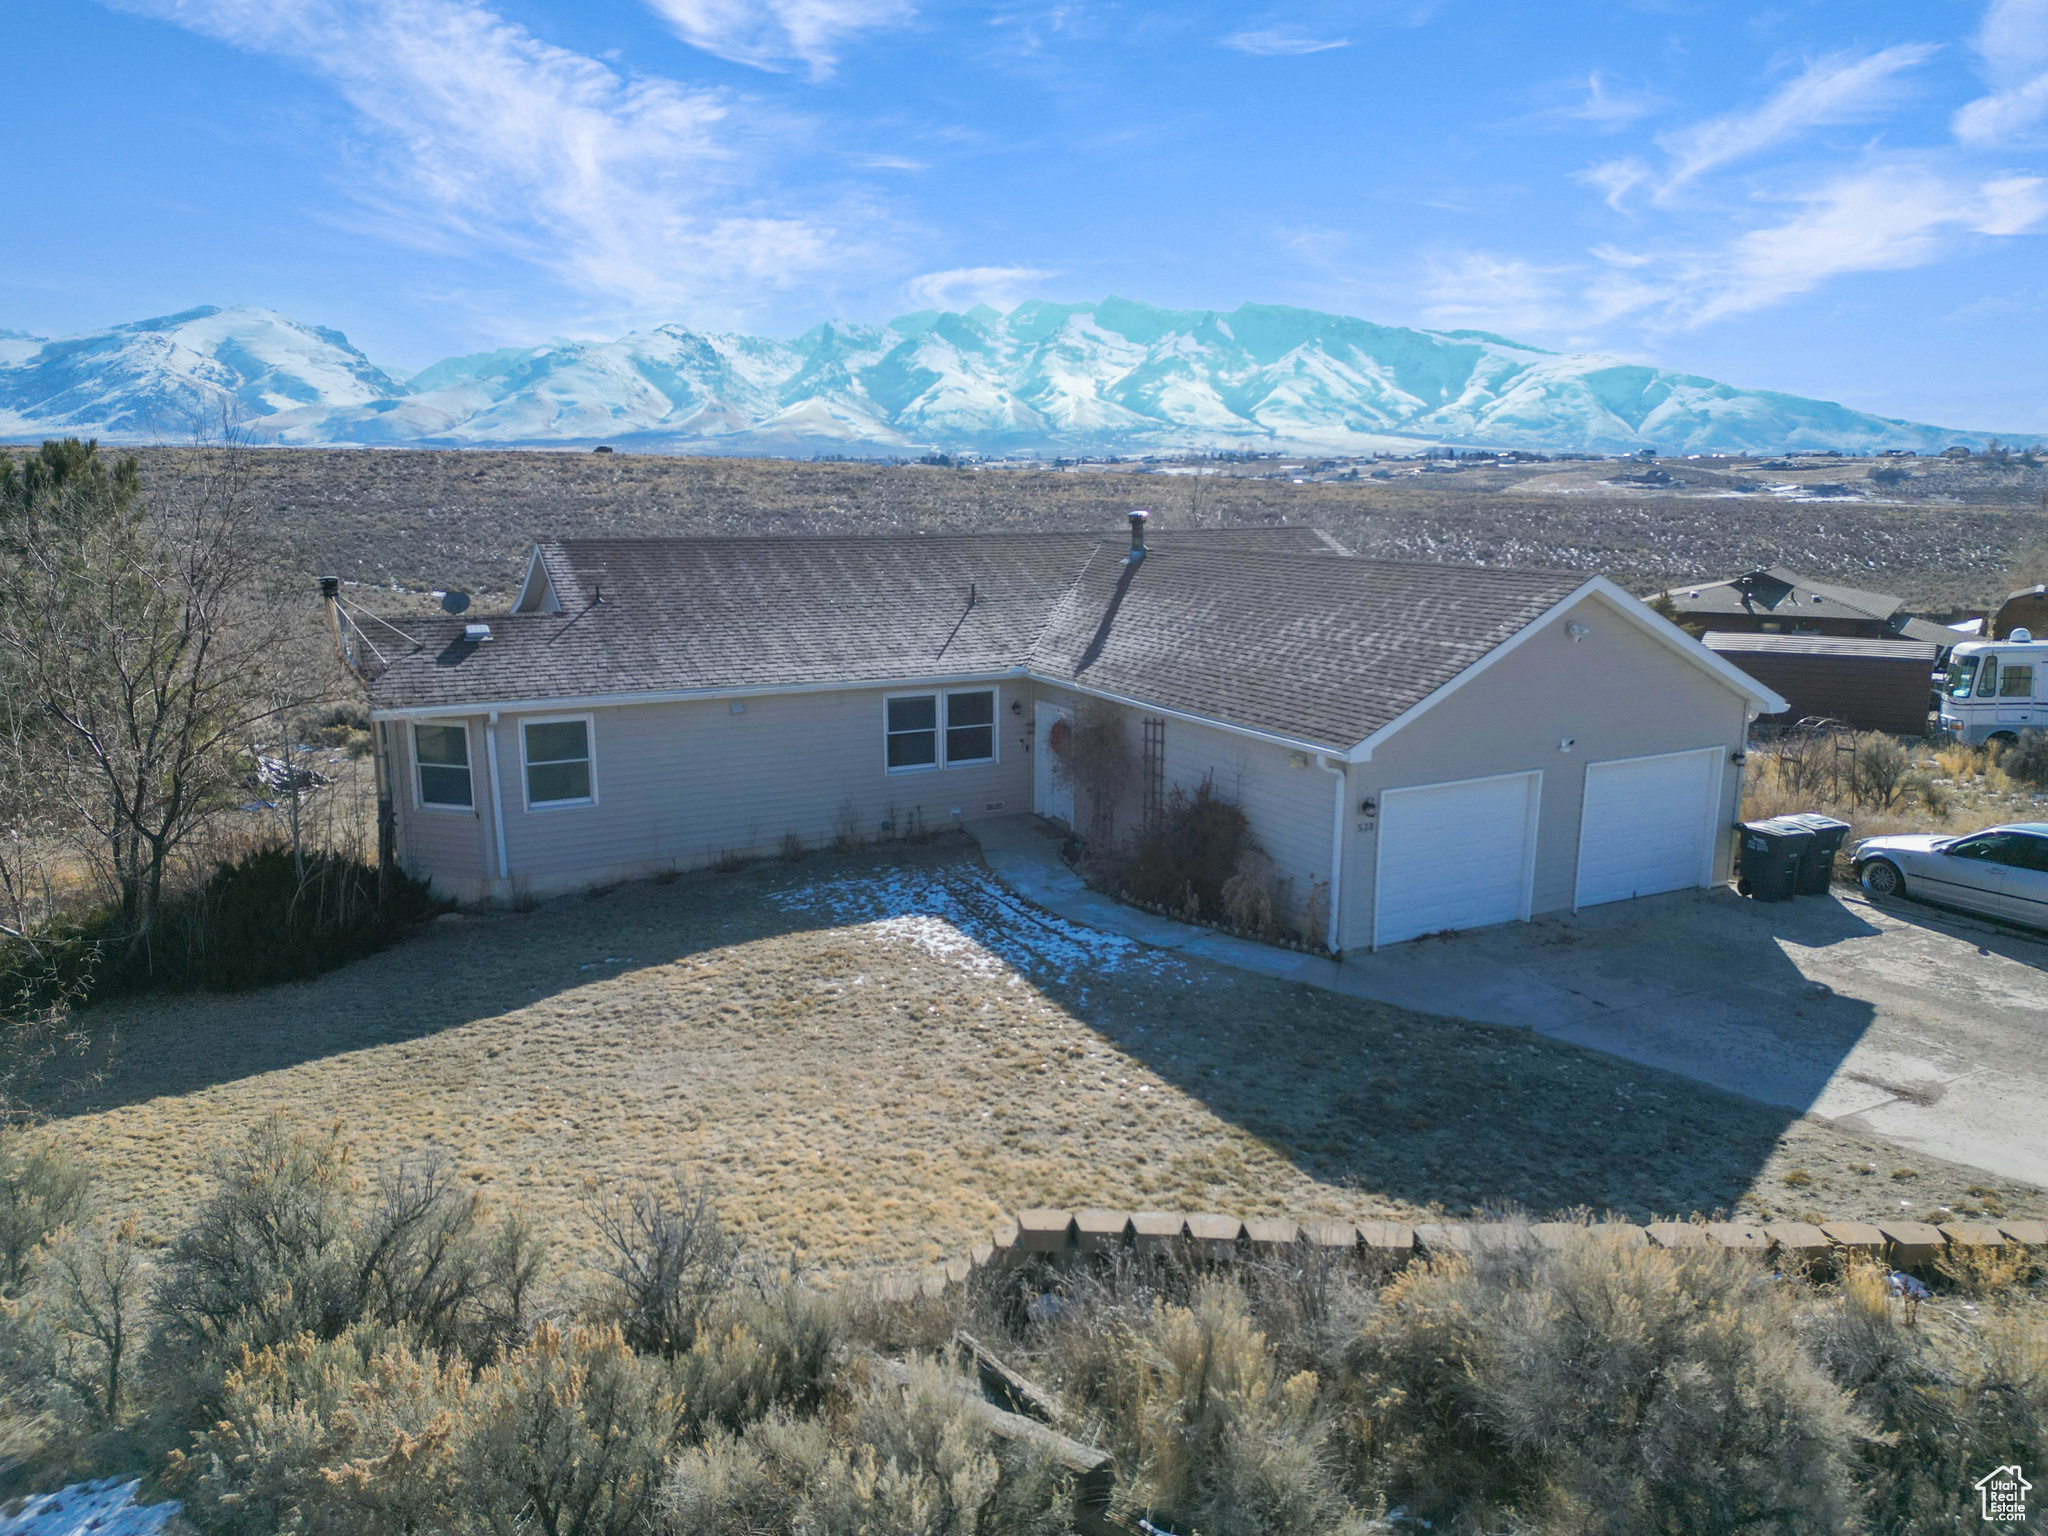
(170, 378)
(1113, 377)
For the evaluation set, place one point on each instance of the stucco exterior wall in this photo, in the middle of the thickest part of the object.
(679, 784)
(1618, 692)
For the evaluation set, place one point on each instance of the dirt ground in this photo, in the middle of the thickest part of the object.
(872, 1056)
(396, 523)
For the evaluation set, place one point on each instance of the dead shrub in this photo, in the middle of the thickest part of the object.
(1879, 769)
(569, 1435)
(1247, 895)
(292, 1242)
(41, 1190)
(1945, 1399)
(667, 1260)
(760, 1352)
(1093, 756)
(793, 850)
(2026, 760)
(1185, 861)
(352, 1436)
(1599, 1388)
(894, 1459)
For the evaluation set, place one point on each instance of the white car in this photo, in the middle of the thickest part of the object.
(2001, 872)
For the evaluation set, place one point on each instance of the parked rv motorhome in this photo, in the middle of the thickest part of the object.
(1996, 689)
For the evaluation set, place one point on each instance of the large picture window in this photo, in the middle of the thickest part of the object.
(913, 731)
(558, 770)
(970, 727)
(441, 755)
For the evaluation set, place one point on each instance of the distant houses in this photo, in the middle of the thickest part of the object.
(1834, 652)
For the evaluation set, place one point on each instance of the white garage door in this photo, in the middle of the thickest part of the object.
(1648, 825)
(1454, 855)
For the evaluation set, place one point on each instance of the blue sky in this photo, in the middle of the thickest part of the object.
(1837, 199)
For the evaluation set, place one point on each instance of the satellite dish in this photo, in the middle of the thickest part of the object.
(455, 602)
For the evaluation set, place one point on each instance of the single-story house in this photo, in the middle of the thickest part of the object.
(1872, 685)
(1773, 600)
(1427, 747)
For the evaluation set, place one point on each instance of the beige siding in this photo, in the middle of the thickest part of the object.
(679, 784)
(1289, 806)
(1618, 692)
(448, 847)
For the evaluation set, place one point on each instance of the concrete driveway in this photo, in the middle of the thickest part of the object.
(1922, 1026)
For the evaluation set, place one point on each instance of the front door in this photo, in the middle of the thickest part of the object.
(1052, 792)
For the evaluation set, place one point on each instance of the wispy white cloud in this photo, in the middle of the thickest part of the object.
(1505, 293)
(1841, 88)
(630, 187)
(1886, 217)
(2012, 47)
(1278, 41)
(1611, 108)
(780, 34)
(1615, 179)
(1001, 288)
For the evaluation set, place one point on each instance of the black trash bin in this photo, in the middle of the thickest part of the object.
(1771, 851)
(1817, 863)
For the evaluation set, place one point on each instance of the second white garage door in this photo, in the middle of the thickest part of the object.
(1648, 825)
(1457, 855)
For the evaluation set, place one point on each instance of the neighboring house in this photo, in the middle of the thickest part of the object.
(1774, 600)
(2025, 609)
(1873, 685)
(1433, 746)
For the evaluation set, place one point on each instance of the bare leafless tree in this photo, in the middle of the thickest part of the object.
(143, 642)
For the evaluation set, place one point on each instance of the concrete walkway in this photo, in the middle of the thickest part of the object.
(1924, 1027)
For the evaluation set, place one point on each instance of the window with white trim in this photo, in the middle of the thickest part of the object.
(970, 727)
(912, 731)
(558, 768)
(440, 755)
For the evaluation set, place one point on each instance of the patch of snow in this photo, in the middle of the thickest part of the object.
(964, 916)
(105, 1508)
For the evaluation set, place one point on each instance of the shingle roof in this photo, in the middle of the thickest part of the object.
(1820, 645)
(1776, 590)
(678, 615)
(1262, 628)
(1322, 651)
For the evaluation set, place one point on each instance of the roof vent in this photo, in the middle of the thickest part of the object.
(476, 634)
(1138, 520)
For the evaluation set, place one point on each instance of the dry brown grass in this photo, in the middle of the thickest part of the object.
(880, 1091)
(1969, 791)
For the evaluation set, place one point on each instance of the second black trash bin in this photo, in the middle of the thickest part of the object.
(1771, 851)
(1817, 862)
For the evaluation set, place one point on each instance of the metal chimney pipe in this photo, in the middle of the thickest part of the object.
(1138, 520)
(330, 596)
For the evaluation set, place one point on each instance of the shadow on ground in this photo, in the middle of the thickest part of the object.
(1407, 1110)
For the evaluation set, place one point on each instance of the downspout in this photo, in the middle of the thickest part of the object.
(1336, 766)
(497, 797)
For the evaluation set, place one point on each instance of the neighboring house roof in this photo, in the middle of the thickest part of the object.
(1942, 635)
(1730, 641)
(1780, 593)
(1261, 630)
